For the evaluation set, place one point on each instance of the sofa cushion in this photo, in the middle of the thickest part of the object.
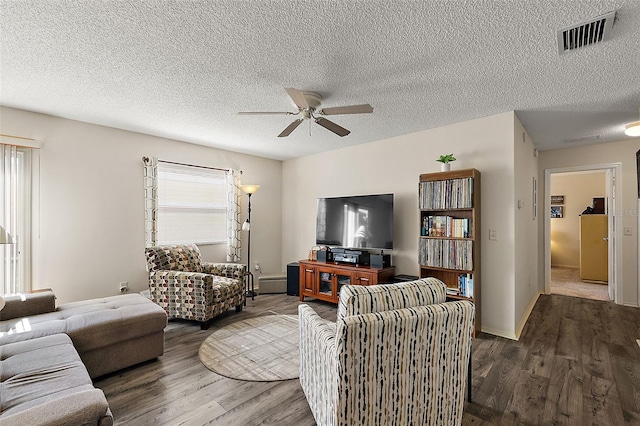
(357, 299)
(42, 370)
(91, 323)
(23, 305)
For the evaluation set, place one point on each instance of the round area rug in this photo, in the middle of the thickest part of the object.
(260, 349)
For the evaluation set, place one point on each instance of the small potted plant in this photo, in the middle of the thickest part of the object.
(445, 160)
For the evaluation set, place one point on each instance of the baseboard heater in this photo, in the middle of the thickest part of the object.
(272, 283)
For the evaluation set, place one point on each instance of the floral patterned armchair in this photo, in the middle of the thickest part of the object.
(188, 288)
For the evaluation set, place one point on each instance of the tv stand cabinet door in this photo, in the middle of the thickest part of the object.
(307, 281)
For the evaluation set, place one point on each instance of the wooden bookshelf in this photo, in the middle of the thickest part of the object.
(449, 232)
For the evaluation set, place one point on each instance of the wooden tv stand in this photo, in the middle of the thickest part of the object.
(323, 280)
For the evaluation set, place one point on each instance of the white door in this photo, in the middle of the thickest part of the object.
(611, 195)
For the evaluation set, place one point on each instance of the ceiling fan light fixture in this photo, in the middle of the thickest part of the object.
(632, 129)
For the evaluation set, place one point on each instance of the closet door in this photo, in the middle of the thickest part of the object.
(593, 248)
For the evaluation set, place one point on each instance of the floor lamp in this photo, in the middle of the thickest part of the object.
(246, 226)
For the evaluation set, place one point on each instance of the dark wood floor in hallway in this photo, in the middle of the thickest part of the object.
(576, 363)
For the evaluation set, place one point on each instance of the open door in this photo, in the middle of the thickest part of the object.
(611, 212)
(614, 235)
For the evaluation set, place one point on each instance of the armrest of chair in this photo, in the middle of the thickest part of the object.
(175, 275)
(229, 270)
(27, 304)
(318, 363)
(199, 282)
(175, 279)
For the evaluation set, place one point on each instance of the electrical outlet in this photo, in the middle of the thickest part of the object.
(493, 234)
(124, 287)
(627, 230)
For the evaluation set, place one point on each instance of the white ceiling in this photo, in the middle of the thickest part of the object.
(182, 69)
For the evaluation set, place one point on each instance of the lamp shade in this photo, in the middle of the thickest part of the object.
(632, 129)
(250, 189)
(5, 237)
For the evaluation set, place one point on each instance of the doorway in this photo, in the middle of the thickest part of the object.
(570, 193)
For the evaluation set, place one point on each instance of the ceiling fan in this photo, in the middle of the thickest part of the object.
(308, 104)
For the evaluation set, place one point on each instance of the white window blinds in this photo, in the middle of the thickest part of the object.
(15, 217)
(192, 205)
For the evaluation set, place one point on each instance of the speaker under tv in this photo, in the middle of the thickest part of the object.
(379, 261)
(293, 279)
(324, 256)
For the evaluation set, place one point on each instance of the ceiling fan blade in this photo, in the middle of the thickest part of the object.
(297, 97)
(290, 128)
(331, 126)
(265, 113)
(351, 109)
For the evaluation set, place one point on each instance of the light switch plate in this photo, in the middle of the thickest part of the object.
(493, 234)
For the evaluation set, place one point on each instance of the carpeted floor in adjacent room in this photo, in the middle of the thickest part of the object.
(567, 282)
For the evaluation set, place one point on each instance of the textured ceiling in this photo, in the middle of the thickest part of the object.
(182, 69)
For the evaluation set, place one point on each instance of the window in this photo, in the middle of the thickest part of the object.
(192, 205)
(15, 217)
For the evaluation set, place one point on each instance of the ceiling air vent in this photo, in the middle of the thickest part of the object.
(585, 34)
(583, 139)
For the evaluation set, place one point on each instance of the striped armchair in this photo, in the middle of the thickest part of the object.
(188, 288)
(397, 355)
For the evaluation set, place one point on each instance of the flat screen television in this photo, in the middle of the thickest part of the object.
(359, 221)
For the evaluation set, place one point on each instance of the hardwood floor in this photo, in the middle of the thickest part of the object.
(576, 363)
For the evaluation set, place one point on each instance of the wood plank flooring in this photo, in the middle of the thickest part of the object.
(576, 363)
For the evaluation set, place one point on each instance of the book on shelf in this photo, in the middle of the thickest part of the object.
(453, 291)
(465, 285)
(446, 194)
(446, 226)
(448, 254)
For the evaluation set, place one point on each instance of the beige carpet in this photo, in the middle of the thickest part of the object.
(567, 282)
(261, 349)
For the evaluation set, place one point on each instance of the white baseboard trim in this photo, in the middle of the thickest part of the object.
(523, 322)
(525, 317)
(499, 333)
(566, 266)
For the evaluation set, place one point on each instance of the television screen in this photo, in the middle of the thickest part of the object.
(361, 221)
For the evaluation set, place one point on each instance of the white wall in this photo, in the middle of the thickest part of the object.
(393, 166)
(578, 189)
(527, 282)
(91, 215)
(623, 152)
